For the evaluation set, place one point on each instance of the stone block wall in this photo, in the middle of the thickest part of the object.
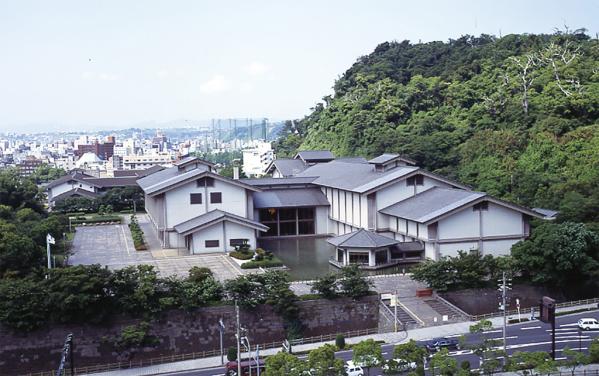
(177, 332)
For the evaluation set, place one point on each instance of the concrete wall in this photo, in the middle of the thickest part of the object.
(215, 232)
(178, 333)
(179, 209)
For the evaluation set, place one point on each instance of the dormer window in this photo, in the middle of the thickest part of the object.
(206, 182)
(415, 180)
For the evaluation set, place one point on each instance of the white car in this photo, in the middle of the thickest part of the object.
(352, 369)
(588, 324)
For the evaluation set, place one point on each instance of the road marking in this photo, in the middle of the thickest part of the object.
(125, 240)
(531, 327)
(495, 331)
(573, 324)
(510, 337)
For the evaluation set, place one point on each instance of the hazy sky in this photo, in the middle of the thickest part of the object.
(83, 64)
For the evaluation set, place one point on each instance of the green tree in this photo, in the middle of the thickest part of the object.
(353, 282)
(326, 286)
(368, 354)
(322, 362)
(526, 363)
(574, 359)
(410, 352)
(442, 364)
(284, 364)
(562, 255)
(594, 351)
(136, 290)
(23, 303)
(18, 253)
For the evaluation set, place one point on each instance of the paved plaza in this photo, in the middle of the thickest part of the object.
(112, 246)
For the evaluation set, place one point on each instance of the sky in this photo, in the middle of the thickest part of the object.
(85, 65)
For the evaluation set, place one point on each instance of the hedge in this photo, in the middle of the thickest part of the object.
(265, 263)
(241, 255)
(97, 220)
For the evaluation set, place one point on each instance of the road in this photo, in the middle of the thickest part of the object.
(529, 336)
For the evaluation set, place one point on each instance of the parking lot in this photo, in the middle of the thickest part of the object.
(112, 246)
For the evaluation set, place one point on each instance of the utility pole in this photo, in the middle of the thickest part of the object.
(221, 328)
(395, 310)
(238, 336)
(504, 288)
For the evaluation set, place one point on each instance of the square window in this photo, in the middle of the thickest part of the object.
(268, 214)
(216, 197)
(195, 198)
(211, 243)
(305, 213)
(410, 181)
(286, 214)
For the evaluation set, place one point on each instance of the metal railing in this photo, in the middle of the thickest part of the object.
(201, 354)
(529, 310)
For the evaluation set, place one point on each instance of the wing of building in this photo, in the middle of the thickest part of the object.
(419, 213)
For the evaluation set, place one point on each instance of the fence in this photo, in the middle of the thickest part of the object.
(529, 310)
(202, 354)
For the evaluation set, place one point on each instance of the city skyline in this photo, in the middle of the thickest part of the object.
(75, 66)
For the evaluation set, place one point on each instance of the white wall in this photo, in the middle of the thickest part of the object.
(498, 247)
(322, 220)
(499, 220)
(179, 209)
(463, 224)
(65, 187)
(453, 248)
(215, 232)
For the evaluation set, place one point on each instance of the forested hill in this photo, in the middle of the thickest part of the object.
(515, 116)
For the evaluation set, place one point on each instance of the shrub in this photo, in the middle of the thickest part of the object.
(199, 274)
(264, 263)
(340, 341)
(231, 354)
(241, 255)
(137, 234)
(326, 286)
(594, 351)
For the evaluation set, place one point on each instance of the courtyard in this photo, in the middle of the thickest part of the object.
(112, 246)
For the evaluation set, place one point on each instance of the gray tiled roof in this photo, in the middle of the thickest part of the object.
(189, 160)
(216, 216)
(171, 175)
(74, 193)
(384, 158)
(315, 155)
(124, 181)
(362, 239)
(290, 181)
(431, 204)
(73, 175)
(289, 167)
(163, 180)
(547, 213)
(283, 198)
(357, 177)
(137, 173)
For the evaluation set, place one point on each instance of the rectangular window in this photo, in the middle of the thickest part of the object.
(358, 258)
(305, 213)
(415, 180)
(216, 197)
(195, 198)
(410, 181)
(236, 242)
(419, 179)
(211, 243)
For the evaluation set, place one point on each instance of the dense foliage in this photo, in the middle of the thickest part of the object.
(514, 116)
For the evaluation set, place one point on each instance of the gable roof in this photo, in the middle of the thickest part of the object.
(436, 202)
(74, 193)
(191, 160)
(213, 217)
(137, 173)
(309, 156)
(173, 177)
(287, 167)
(75, 175)
(284, 198)
(362, 239)
(431, 204)
(123, 181)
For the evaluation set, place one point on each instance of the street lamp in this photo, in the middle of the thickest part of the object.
(221, 329)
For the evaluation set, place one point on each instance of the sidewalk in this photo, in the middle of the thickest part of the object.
(389, 338)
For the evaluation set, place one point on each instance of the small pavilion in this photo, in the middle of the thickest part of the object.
(367, 249)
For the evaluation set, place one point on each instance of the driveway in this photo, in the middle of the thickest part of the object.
(112, 246)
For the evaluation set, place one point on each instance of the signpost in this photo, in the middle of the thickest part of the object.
(547, 315)
(67, 352)
(49, 240)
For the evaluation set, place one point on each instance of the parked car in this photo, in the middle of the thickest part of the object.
(246, 365)
(352, 369)
(588, 324)
(437, 344)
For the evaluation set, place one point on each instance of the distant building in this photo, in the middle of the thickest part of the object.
(27, 166)
(141, 162)
(257, 159)
(103, 150)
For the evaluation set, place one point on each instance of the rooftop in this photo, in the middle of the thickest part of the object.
(362, 239)
(213, 217)
(283, 198)
(310, 156)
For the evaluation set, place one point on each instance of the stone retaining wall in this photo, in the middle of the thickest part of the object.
(178, 332)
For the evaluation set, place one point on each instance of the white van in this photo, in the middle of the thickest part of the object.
(352, 369)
